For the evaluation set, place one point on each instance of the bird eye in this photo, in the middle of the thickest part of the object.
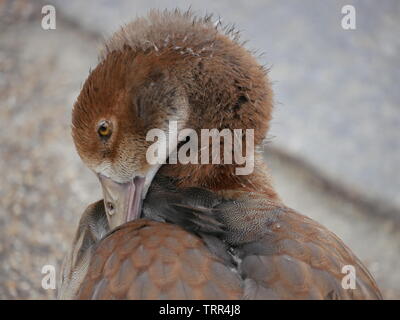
(110, 208)
(104, 129)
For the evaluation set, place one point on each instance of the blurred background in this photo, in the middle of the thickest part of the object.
(333, 148)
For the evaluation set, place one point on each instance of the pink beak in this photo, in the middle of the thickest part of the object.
(123, 201)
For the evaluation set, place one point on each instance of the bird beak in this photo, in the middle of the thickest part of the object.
(123, 201)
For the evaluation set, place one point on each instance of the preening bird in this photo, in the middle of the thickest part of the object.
(189, 230)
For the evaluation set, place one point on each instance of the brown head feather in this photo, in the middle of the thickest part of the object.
(171, 66)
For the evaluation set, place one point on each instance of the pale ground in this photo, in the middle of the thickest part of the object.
(44, 187)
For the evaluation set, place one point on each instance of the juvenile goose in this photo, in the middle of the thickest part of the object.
(189, 231)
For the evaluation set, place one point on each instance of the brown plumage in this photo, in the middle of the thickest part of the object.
(205, 232)
(152, 260)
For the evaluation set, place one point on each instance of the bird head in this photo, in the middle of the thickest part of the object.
(169, 66)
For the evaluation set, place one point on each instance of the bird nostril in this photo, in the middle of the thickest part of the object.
(110, 208)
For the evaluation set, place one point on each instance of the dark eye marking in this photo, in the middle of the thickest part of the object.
(104, 129)
(139, 107)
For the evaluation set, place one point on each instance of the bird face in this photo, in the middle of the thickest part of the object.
(127, 95)
(168, 67)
